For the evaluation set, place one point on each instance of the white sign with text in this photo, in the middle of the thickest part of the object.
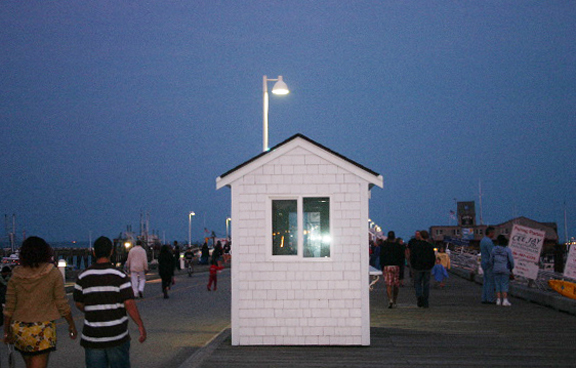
(570, 268)
(526, 244)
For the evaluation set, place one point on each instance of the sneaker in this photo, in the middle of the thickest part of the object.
(498, 302)
(141, 295)
(390, 305)
(506, 303)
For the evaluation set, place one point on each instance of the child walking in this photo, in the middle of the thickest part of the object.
(213, 278)
(439, 272)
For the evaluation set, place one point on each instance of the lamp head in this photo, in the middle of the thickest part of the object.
(280, 88)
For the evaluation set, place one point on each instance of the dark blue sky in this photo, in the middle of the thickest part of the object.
(110, 109)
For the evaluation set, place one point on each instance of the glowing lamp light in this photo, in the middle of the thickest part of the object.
(280, 88)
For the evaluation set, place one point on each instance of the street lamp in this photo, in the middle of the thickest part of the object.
(228, 220)
(280, 88)
(190, 228)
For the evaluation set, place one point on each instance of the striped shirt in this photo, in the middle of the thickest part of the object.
(103, 289)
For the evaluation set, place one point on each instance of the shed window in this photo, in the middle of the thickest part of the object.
(301, 227)
(284, 227)
(317, 227)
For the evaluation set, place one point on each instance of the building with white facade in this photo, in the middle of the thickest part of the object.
(300, 247)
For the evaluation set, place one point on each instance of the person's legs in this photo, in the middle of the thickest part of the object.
(119, 356)
(389, 293)
(417, 277)
(425, 288)
(165, 285)
(505, 286)
(141, 281)
(115, 357)
(95, 358)
(134, 281)
(36, 361)
(210, 280)
(488, 286)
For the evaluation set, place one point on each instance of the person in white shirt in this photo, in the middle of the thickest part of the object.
(137, 263)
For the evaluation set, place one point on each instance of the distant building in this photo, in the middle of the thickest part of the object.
(468, 231)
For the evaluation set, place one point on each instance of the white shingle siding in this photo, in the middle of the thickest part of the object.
(285, 300)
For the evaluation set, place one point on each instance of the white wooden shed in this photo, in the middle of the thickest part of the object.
(300, 247)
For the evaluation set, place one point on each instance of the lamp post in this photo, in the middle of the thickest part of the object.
(280, 88)
(190, 228)
(228, 220)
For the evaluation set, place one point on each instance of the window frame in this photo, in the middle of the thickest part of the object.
(299, 256)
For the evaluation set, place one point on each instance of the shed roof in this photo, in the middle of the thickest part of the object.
(299, 139)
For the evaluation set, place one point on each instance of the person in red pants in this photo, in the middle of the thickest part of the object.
(213, 278)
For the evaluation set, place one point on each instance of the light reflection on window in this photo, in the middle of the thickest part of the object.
(317, 237)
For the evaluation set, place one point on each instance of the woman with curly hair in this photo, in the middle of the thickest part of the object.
(35, 298)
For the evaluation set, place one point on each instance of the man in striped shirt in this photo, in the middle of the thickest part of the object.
(105, 296)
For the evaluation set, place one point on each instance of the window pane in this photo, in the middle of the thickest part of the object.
(284, 227)
(317, 227)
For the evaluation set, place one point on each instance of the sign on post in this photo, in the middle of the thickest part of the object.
(526, 245)
(570, 268)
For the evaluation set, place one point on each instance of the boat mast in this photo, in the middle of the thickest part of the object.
(565, 225)
(480, 200)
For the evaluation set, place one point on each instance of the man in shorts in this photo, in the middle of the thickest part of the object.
(392, 256)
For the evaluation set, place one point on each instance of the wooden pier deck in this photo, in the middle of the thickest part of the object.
(456, 331)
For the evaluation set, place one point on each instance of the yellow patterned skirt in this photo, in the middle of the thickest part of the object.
(34, 338)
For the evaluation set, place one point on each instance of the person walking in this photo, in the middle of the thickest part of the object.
(205, 255)
(414, 239)
(375, 256)
(166, 268)
(4, 278)
(486, 246)
(502, 262)
(391, 259)
(213, 274)
(422, 259)
(105, 296)
(403, 265)
(35, 298)
(177, 256)
(439, 273)
(137, 263)
(444, 257)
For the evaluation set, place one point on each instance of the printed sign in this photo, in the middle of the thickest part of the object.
(570, 268)
(526, 244)
(467, 233)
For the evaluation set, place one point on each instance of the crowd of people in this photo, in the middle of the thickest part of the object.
(423, 262)
(34, 298)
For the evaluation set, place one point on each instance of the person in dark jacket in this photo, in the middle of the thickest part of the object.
(205, 254)
(422, 259)
(391, 259)
(166, 268)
